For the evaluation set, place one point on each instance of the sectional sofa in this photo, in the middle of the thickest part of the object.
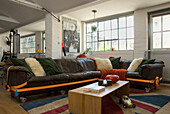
(75, 73)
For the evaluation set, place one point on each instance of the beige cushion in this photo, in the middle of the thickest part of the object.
(103, 63)
(35, 66)
(134, 64)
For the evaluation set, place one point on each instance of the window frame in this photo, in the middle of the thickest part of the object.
(151, 15)
(111, 18)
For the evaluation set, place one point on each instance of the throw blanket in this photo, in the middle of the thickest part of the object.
(120, 72)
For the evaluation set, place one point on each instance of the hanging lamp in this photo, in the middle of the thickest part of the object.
(94, 27)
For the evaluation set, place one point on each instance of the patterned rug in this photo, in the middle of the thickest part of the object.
(145, 104)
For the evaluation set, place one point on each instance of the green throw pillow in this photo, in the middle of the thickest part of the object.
(49, 66)
(21, 62)
(115, 63)
(145, 61)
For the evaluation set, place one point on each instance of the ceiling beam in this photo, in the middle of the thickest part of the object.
(8, 19)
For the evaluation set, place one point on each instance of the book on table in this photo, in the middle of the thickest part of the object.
(94, 88)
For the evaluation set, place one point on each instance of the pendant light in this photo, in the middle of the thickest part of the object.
(94, 27)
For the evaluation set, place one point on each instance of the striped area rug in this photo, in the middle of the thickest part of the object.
(145, 104)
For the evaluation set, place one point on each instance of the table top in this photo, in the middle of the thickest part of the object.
(107, 91)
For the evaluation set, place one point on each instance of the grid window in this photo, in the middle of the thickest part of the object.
(28, 44)
(113, 34)
(161, 31)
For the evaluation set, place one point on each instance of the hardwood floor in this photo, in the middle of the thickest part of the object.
(9, 105)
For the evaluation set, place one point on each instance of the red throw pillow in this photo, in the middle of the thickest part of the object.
(111, 57)
(114, 78)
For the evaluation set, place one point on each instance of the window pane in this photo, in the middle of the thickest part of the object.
(130, 21)
(166, 39)
(95, 46)
(130, 44)
(101, 26)
(101, 35)
(156, 24)
(115, 45)
(108, 35)
(107, 25)
(101, 46)
(122, 33)
(130, 32)
(115, 34)
(156, 40)
(89, 45)
(88, 37)
(94, 36)
(114, 23)
(88, 28)
(108, 46)
(122, 22)
(122, 44)
(166, 22)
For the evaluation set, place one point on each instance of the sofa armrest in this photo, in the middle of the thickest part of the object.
(151, 71)
(17, 75)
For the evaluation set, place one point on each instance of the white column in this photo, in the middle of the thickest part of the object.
(38, 40)
(53, 37)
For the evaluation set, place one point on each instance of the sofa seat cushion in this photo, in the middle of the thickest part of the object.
(83, 75)
(48, 80)
(133, 75)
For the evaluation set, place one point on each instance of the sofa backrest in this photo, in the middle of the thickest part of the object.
(125, 63)
(75, 65)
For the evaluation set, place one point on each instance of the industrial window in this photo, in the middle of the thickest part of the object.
(28, 44)
(113, 34)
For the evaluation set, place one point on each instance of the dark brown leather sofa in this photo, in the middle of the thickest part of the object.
(75, 73)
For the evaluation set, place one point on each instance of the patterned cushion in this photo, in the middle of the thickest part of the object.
(115, 63)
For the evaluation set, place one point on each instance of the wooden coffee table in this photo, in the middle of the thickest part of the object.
(81, 102)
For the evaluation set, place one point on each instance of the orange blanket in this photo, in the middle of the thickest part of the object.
(120, 72)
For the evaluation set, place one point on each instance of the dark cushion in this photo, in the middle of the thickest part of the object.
(67, 65)
(133, 75)
(21, 62)
(48, 80)
(115, 63)
(145, 61)
(125, 63)
(49, 66)
(86, 65)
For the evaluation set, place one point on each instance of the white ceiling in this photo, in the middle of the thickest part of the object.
(112, 7)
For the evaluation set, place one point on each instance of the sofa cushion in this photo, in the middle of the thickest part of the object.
(49, 65)
(48, 80)
(21, 62)
(67, 65)
(145, 61)
(134, 64)
(125, 63)
(83, 75)
(86, 65)
(115, 63)
(35, 66)
(133, 75)
(103, 63)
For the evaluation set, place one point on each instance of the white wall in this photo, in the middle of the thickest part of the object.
(141, 37)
